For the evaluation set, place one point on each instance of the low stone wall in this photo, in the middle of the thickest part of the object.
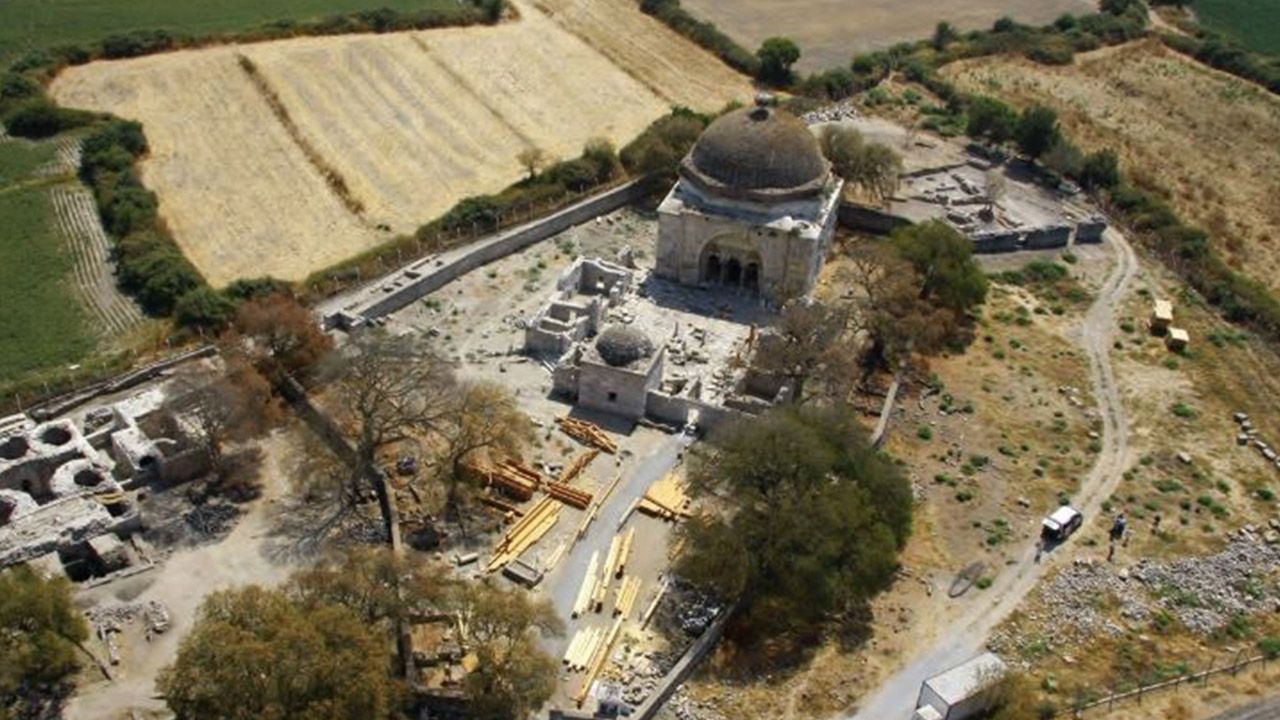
(1048, 238)
(864, 218)
(416, 280)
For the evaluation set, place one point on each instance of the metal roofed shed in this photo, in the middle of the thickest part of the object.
(961, 692)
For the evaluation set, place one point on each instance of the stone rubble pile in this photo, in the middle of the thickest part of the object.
(1203, 593)
(843, 110)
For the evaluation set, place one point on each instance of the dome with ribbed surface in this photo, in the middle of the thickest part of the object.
(621, 346)
(758, 153)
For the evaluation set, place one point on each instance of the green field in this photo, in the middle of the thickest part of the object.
(35, 24)
(42, 324)
(1253, 23)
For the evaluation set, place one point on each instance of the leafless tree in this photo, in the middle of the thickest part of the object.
(387, 390)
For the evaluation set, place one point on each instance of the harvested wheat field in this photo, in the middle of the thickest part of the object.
(1208, 138)
(831, 32)
(283, 158)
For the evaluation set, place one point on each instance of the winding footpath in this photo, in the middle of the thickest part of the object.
(895, 699)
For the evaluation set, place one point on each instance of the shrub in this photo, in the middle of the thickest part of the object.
(40, 118)
(1037, 130)
(991, 119)
(1100, 171)
(203, 307)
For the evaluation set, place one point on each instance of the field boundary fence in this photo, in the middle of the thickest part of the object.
(1084, 704)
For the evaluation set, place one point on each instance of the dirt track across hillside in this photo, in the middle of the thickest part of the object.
(974, 623)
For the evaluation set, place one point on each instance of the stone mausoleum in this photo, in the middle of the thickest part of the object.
(755, 207)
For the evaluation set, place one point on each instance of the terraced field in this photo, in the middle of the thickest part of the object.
(286, 157)
(81, 229)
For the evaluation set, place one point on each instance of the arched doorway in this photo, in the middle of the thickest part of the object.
(712, 271)
(733, 272)
(751, 277)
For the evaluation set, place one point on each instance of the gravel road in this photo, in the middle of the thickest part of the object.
(896, 697)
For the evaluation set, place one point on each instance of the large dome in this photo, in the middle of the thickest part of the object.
(758, 153)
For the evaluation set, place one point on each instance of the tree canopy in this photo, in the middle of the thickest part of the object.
(872, 167)
(777, 55)
(1038, 130)
(818, 518)
(944, 259)
(261, 654)
(40, 629)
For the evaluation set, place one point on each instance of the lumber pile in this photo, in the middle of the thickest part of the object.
(583, 647)
(666, 499)
(536, 523)
(510, 511)
(508, 480)
(624, 552)
(596, 663)
(587, 433)
(627, 594)
(587, 590)
(568, 495)
(575, 468)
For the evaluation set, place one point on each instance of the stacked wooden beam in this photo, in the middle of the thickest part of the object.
(624, 552)
(666, 499)
(508, 481)
(582, 648)
(530, 529)
(627, 594)
(582, 603)
(568, 495)
(575, 468)
(596, 663)
(587, 433)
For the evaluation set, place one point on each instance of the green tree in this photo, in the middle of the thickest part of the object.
(659, 149)
(777, 55)
(257, 653)
(1101, 170)
(943, 35)
(1064, 158)
(513, 677)
(872, 167)
(40, 630)
(944, 259)
(991, 119)
(1037, 130)
(818, 518)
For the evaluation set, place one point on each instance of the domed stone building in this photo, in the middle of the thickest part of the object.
(755, 207)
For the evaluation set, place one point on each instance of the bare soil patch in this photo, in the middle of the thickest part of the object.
(1205, 137)
(830, 32)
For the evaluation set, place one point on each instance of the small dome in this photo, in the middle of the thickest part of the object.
(760, 153)
(620, 345)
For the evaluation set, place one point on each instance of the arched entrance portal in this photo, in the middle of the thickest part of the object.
(734, 265)
(712, 271)
(733, 272)
(751, 277)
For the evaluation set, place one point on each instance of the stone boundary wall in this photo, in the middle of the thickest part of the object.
(855, 216)
(421, 281)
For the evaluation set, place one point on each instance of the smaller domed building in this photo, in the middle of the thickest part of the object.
(755, 207)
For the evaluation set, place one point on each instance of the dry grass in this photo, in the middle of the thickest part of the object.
(1205, 137)
(406, 124)
(829, 32)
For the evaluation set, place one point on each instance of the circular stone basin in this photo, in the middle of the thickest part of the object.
(55, 435)
(14, 448)
(88, 478)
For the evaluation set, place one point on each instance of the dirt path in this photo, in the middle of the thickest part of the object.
(181, 583)
(975, 621)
